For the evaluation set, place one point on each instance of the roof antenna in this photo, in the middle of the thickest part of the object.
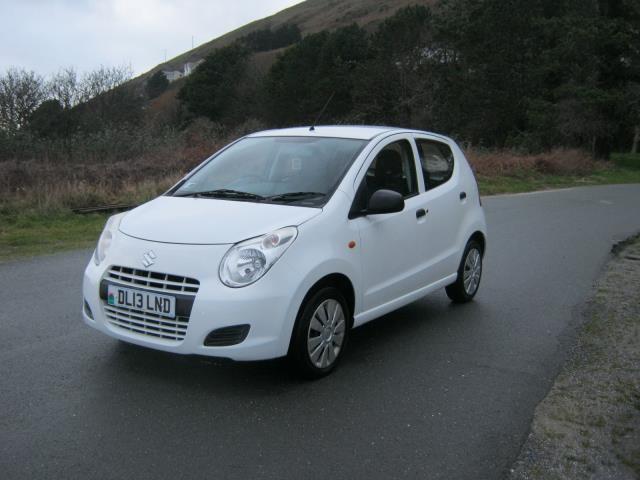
(315, 122)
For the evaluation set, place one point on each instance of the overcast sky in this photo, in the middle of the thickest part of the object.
(44, 35)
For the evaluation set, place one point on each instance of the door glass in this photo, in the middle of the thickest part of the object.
(392, 169)
(437, 162)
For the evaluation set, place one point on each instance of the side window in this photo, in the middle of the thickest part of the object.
(437, 162)
(394, 168)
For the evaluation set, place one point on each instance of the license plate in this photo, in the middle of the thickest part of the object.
(164, 305)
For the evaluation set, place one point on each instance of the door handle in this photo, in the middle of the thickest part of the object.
(421, 213)
(463, 195)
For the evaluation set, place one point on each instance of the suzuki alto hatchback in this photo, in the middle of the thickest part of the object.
(285, 240)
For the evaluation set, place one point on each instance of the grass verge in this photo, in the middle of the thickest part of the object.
(588, 426)
(529, 182)
(29, 234)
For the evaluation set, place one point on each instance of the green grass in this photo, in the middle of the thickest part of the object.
(535, 182)
(30, 234)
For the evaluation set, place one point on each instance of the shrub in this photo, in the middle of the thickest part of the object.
(509, 163)
(116, 166)
(627, 160)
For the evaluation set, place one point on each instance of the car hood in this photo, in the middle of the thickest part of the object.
(205, 221)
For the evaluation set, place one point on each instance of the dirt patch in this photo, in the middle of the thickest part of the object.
(588, 426)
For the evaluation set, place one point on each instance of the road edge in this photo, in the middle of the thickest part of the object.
(588, 424)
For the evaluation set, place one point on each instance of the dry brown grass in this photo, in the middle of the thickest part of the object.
(509, 163)
(46, 184)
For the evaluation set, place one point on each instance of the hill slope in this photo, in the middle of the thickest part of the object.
(310, 16)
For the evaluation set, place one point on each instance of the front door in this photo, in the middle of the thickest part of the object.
(388, 242)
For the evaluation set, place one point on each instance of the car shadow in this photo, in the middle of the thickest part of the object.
(385, 343)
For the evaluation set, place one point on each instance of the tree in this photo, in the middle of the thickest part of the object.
(107, 99)
(212, 90)
(391, 87)
(157, 84)
(308, 73)
(484, 54)
(585, 61)
(48, 120)
(65, 87)
(20, 94)
(103, 80)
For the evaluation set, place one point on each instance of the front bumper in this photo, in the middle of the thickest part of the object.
(268, 306)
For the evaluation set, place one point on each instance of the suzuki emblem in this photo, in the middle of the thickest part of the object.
(148, 258)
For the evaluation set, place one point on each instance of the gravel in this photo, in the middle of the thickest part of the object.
(588, 426)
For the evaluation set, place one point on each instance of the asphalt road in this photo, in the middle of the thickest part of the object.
(430, 391)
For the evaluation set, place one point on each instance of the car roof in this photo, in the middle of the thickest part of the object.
(359, 132)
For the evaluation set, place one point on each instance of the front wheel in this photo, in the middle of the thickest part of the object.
(321, 333)
(469, 275)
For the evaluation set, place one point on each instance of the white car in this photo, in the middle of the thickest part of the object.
(282, 242)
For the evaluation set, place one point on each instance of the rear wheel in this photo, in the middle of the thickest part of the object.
(469, 274)
(321, 333)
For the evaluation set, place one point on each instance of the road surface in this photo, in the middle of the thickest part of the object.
(430, 391)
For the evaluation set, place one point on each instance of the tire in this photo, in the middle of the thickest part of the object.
(471, 266)
(320, 334)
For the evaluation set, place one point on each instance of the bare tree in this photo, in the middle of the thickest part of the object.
(64, 87)
(21, 92)
(105, 97)
(103, 80)
(70, 90)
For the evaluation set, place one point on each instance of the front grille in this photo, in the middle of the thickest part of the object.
(160, 282)
(183, 289)
(147, 323)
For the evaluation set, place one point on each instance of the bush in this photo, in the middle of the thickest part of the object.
(115, 166)
(510, 163)
(627, 160)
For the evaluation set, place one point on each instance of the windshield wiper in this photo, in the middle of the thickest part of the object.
(224, 193)
(294, 196)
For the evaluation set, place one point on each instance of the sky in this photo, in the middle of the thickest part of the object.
(46, 35)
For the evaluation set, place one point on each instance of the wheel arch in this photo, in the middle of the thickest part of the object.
(479, 237)
(338, 280)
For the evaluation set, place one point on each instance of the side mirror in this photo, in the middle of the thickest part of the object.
(385, 201)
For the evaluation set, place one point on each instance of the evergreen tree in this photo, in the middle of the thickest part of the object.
(212, 90)
(309, 73)
(157, 84)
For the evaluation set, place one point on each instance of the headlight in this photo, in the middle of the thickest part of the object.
(246, 262)
(104, 242)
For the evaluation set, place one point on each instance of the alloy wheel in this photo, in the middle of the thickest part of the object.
(326, 333)
(472, 271)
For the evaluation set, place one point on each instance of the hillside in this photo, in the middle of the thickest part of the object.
(310, 16)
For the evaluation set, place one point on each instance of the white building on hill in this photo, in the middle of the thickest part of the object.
(172, 75)
(187, 69)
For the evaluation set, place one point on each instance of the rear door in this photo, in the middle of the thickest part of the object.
(445, 203)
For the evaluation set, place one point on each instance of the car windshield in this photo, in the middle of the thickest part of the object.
(290, 170)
